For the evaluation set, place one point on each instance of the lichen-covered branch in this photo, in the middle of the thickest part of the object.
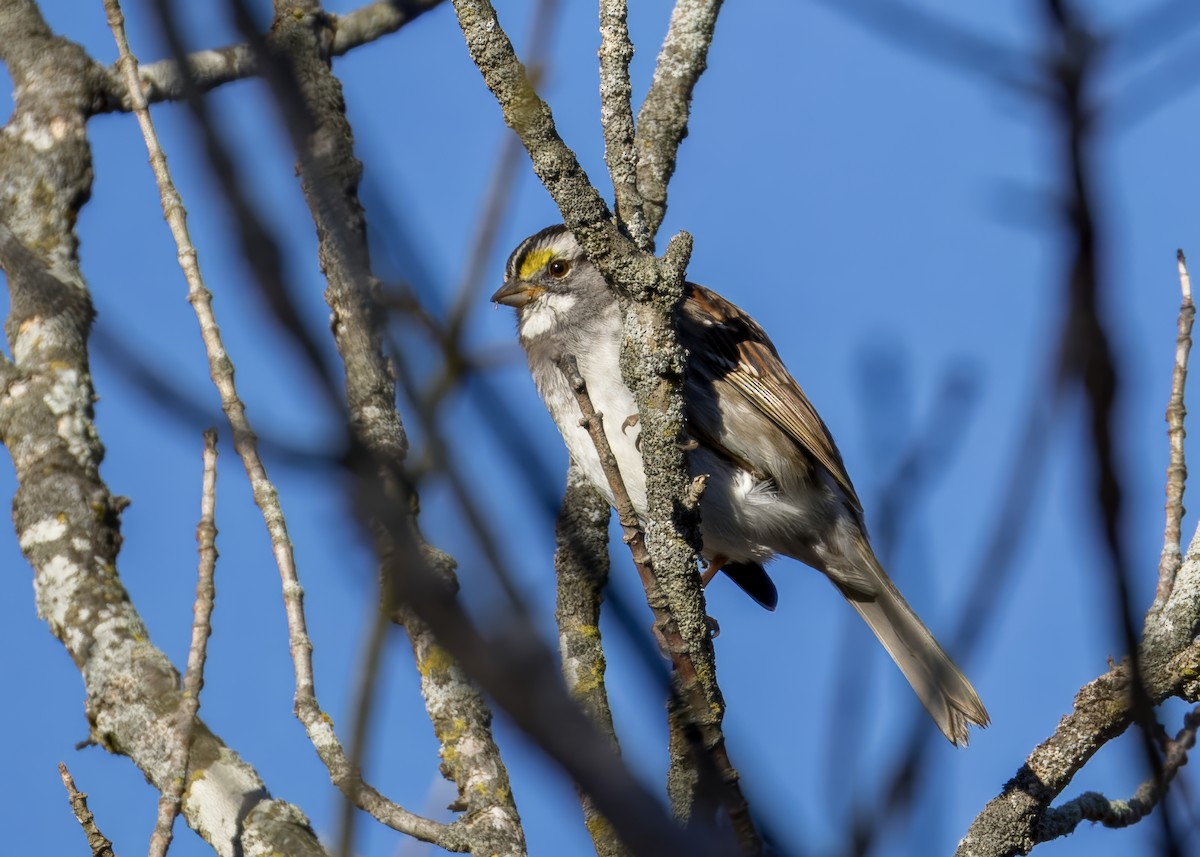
(692, 689)
(662, 121)
(1093, 806)
(651, 359)
(581, 573)
(66, 519)
(616, 118)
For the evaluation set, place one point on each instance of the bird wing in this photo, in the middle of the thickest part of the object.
(726, 344)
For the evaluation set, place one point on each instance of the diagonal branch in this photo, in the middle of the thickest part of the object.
(1093, 806)
(662, 121)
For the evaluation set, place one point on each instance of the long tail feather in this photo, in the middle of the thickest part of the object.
(942, 688)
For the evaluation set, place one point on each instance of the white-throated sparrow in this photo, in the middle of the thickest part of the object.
(776, 483)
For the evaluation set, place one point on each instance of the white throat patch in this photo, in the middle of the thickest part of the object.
(542, 314)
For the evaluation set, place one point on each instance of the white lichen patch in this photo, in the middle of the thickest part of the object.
(32, 132)
(54, 585)
(215, 798)
(45, 530)
(29, 339)
(68, 398)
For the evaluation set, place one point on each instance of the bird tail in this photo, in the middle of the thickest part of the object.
(942, 688)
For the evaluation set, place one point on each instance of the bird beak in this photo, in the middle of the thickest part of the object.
(516, 293)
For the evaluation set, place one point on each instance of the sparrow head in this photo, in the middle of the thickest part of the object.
(552, 285)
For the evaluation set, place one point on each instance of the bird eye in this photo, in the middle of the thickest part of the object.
(559, 268)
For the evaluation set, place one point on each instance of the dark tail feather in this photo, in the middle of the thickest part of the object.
(940, 685)
(753, 579)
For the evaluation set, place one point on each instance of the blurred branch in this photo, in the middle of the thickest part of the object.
(317, 724)
(1163, 663)
(100, 845)
(933, 36)
(193, 676)
(171, 80)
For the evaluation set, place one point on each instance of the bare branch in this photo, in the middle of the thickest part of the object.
(100, 845)
(66, 519)
(312, 101)
(1104, 708)
(1168, 564)
(193, 676)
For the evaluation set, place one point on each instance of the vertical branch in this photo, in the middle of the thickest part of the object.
(651, 363)
(662, 121)
(193, 676)
(67, 520)
(1168, 564)
(695, 690)
(581, 567)
(616, 119)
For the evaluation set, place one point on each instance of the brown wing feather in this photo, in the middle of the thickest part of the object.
(737, 351)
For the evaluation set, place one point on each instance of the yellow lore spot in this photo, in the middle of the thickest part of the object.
(534, 262)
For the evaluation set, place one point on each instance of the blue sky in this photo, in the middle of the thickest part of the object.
(886, 217)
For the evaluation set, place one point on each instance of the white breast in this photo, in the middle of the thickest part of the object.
(600, 366)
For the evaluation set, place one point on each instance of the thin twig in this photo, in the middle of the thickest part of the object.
(1172, 556)
(193, 677)
(100, 845)
(665, 626)
(318, 726)
(1093, 806)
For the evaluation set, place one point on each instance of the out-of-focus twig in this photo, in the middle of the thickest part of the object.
(193, 676)
(100, 845)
